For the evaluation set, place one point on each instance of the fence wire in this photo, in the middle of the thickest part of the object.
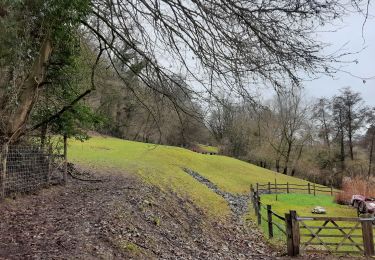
(28, 168)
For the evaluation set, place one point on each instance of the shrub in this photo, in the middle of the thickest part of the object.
(352, 186)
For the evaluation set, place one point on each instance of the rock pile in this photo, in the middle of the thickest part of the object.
(237, 203)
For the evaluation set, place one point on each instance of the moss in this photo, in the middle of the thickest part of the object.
(156, 221)
(129, 247)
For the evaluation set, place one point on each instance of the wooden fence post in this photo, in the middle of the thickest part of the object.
(276, 186)
(287, 187)
(367, 235)
(65, 174)
(295, 229)
(269, 187)
(255, 204)
(259, 215)
(289, 234)
(3, 170)
(49, 164)
(269, 220)
(292, 233)
(314, 189)
(257, 188)
(308, 187)
(331, 190)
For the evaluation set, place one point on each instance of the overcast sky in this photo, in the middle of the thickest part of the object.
(351, 33)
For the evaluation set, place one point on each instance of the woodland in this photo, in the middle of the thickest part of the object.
(183, 73)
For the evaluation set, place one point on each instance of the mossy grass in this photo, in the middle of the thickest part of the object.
(162, 166)
(208, 148)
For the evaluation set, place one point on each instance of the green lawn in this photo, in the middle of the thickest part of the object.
(161, 166)
(208, 148)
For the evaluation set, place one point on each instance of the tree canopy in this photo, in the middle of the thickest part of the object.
(220, 46)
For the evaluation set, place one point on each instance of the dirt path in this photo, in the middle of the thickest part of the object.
(120, 218)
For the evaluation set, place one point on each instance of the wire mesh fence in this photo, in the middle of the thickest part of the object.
(27, 168)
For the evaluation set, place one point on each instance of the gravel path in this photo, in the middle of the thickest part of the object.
(237, 203)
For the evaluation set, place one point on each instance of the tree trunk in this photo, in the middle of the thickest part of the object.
(296, 161)
(326, 136)
(342, 150)
(371, 152)
(278, 165)
(43, 135)
(29, 92)
(287, 157)
(350, 133)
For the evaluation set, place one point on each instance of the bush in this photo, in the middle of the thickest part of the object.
(354, 186)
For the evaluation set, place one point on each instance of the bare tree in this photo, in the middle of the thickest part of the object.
(350, 114)
(370, 139)
(232, 44)
(291, 113)
(322, 114)
(221, 118)
(338, 114)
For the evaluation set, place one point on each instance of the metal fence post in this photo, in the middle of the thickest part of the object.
(4, 156)
(269, 220)
(367, 235)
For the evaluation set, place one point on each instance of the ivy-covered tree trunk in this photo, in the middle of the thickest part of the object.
(15, 122)
(39, 44)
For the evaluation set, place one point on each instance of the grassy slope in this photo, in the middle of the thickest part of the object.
(161, 165)
(208, 148)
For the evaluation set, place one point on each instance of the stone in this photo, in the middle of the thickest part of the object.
(319, 210)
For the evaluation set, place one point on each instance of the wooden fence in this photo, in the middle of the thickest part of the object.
(336, 235)
(269, 218)
(310, 188)
(306, 234)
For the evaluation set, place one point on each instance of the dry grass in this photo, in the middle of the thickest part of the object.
(355, 186)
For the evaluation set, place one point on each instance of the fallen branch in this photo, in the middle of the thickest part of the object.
(81, 179)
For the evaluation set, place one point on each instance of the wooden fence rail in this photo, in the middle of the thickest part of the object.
(355, 235)
(341, 235)
(310, 188)
(269, 217)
